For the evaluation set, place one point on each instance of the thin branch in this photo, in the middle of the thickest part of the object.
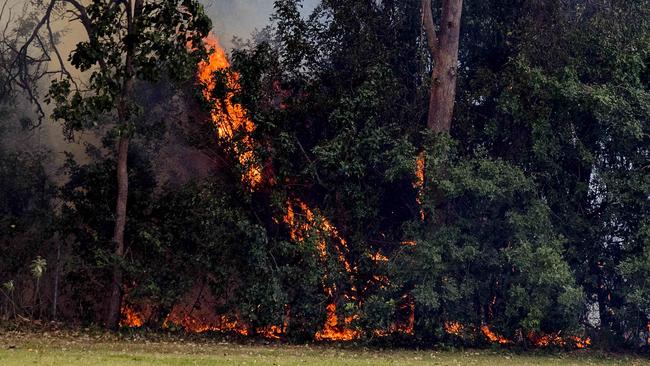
(63, 70)
(429, 26)
(83, 16)
(2, 10)
(34, 35)
(312, 164)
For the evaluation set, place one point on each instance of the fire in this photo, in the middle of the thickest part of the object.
(546, 340)
(454, 328)
(271, 332)
(493, 337)
(581, 342)
(378, 257)
(402, 326)
(232, 122)
(554, 339)
(333, 331)
(408, 306)
(194, 324)
(419, 182)
(315, 224)
(231, 118)
(131, 318)
(318, 225)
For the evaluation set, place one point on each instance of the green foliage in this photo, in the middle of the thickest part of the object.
(26, 194)
(165, 39)
(492, 258)
(37, 267)
(570, 109)
(87, 216)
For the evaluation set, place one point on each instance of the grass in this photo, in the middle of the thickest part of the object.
(85, 348)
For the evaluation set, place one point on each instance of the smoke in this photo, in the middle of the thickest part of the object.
(230, 18)
(241, 18)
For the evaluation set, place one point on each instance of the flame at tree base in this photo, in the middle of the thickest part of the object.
(333, 331)
(131, 318)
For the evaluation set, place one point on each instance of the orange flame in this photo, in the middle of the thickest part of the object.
(379, 257)
(554, 339)
(493, 337)
(131, 318)
(333, 331)
(454, 328)
(194, 324)
(581, 342)
(315, 224)
(318, 225)
(230, 119)
(419, 182)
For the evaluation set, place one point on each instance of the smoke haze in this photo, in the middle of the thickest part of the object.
(241, 17)
(230, 18)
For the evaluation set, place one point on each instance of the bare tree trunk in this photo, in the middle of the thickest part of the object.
(443, 46)
(115, 303)
(133, 10)
(57, 270)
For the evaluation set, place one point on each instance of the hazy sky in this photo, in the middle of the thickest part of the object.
(242, 17)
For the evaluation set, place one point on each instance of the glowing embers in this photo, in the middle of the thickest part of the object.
(229, 118)
(378, 257)
(420, 164)
(555, 339)
(454, 328)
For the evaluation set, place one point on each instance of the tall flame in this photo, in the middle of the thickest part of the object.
(230, 118)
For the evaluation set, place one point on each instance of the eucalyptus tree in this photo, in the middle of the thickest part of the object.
(443, 42)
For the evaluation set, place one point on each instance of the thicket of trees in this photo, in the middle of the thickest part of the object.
(527, 212)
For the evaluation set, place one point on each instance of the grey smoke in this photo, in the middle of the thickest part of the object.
(230, 18)
(242, 17)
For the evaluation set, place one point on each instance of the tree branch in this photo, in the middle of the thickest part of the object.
(34, 35)
(63, 70)
(83, 16)
(429, 26)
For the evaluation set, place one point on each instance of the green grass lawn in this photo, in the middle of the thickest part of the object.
(76, 349)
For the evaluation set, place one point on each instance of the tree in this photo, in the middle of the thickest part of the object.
(128, 42)
(570, 109)
(443, 45)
